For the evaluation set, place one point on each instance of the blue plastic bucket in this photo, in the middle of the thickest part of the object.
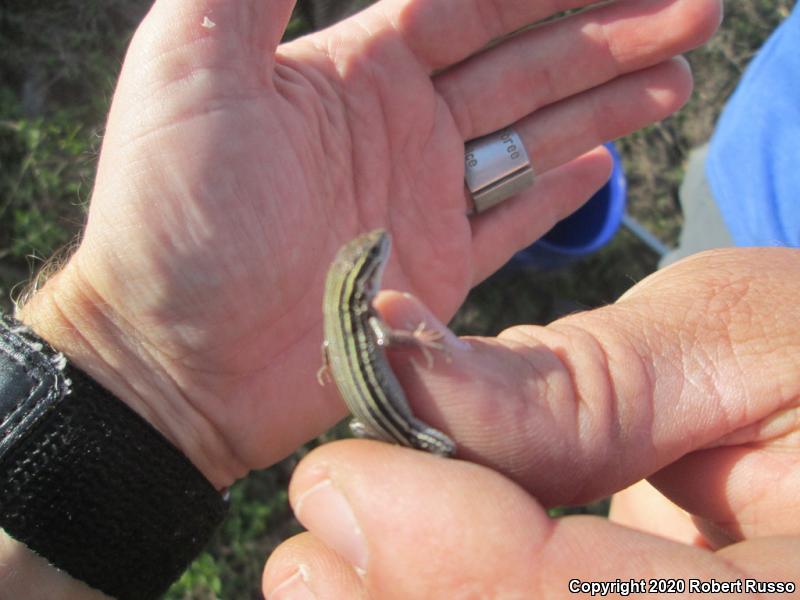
(585, 231)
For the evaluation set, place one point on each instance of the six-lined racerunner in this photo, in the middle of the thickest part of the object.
(353, 350)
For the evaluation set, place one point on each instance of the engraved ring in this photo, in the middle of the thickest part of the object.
(497, 167)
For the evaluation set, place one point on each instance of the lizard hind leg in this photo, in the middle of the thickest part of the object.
(422, 338)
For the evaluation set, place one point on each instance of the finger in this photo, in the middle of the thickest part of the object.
(518, 221)
(304, 568)
(440, 33)
(220, 31)
(465, 531)
(730, 510)
(597, 400)
(566, 57)
(192, 58)
(644, 508)
(561, 131)
(558, 133)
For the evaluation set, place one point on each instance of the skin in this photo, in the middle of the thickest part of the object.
(233, 169)
(706, 381)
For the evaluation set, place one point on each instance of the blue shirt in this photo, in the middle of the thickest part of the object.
(753, 163)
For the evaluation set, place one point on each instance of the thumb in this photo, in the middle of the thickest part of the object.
(416, 526)
(588, 405)
(203, 51)
(189, 60)
(248, 30)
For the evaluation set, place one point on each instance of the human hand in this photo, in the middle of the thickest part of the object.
(692, 379)
(232, 169)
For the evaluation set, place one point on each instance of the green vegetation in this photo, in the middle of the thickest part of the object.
(58, 64)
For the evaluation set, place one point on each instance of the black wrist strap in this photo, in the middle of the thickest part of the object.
(87, 483)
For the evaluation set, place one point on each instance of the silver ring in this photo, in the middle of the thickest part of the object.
(496, 167)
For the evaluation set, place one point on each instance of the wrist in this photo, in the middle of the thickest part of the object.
(27, 575)
(100, 341)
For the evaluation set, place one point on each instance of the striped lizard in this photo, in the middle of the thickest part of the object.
(353, 350)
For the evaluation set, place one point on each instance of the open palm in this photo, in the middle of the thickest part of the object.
(233, 169)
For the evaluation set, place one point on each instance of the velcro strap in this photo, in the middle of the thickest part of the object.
(87, 483)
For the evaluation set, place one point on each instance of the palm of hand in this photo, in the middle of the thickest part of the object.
(207, 276)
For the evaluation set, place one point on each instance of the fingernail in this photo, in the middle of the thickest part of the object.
(324, 511)
(294, 588)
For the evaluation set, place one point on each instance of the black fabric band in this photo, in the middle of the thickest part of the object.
(87, 483)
